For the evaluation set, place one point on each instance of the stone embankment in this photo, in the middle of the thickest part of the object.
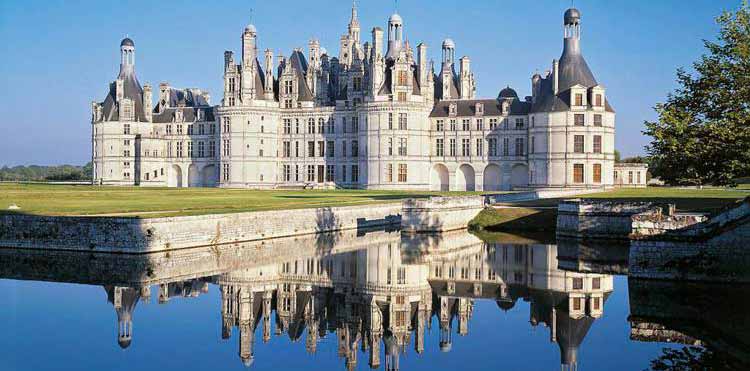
(140, 236)
(716, 249)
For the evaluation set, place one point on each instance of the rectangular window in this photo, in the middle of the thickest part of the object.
(506, 147)
(480, 147)
(597, 144)
(579, 99)
(578, 144)
(465, 147)
(493, 124)
(533, 145)
(296, 149)
(402, 149)
(355, 148)
(343, 173)
(355, 173)
(453, 125)
(389, 173)
(402, 173)
(321, 126)
(578, 283)
(201, 149)
(492, 144)
(638, 174)
(403, 121)
(578, 174)
(519, 124)
(480, 124)
(519, 147)
(390, 121)
(402, 97)
(330, 173)
(343, 148)
(453, 147)
(597, 304)
(321, 149)
(440, 125)
(331, 126)
(598, 100)
(597, 173)
(287, 149)
(311, 149)
(596, 283)
(287, 126)
(466, 125)
(355, 124)
(630, 177)
(579, 119)
(287, 173)
(311, 126)
(597, 120)
(310, 173)
(330, 148)
(126, 129)
(440, 147)
(226, 172)
(576, 303)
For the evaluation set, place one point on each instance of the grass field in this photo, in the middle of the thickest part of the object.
(69, 200)
(541, 215)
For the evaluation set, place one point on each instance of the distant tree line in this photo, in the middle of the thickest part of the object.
(35, 173)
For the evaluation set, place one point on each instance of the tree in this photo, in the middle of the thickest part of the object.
(617, 156)
(702, 135)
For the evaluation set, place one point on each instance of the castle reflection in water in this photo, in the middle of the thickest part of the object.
(376, 294)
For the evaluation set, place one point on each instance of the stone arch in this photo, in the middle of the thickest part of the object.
(519, 176)
(175, 176)
(439, 178)
(209, 176)
(466, 178)
(194, 176)
(493, 178)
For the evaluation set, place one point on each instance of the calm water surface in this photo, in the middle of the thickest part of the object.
(348, 301)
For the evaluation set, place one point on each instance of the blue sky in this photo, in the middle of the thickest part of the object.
(58, 56)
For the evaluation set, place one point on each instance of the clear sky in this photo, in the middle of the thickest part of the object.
(58, 56)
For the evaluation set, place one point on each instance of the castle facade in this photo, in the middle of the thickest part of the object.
(378, 115)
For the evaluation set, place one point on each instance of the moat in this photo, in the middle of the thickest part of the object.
(362, 300)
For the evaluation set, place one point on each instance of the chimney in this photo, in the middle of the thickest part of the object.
(556, 75)
(147, 102)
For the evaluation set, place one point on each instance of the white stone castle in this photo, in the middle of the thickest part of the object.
(377, 116)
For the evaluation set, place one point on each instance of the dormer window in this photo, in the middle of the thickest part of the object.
(579, 99)
(178, 116)
(598, 100)
(506, 107)
(452, 109)
(126, 110)
(480, 109)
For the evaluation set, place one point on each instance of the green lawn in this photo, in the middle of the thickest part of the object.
(41, 199)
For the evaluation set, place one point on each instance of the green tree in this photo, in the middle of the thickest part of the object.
(702, 135)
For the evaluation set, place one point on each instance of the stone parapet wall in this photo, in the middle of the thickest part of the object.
(123, 235)
(440, 214)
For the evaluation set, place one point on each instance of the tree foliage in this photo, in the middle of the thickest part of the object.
(46, 173)
(702, 135)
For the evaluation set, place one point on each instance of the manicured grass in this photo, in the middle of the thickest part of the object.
(515, 219)
(68, 200)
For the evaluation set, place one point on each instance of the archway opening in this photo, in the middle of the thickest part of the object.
(209, 176)
(175, 176)
(519, 176)
(465, 178)
(492, 178)
(439, 178)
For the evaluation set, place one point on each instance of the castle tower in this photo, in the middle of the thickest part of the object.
(249, 55)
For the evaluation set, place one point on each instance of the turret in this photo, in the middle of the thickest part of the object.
(127, 56)
(395, 35)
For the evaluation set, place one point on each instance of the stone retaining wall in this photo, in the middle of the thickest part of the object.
(599, 219)
(123, 235)
(440, 214)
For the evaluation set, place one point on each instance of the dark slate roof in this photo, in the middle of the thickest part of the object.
(127, 42)
(547, 101)
(508, 93)
(492, 107)
(189, 114)
(186, 98)
(571, 16)
(573, 67)
(298, 61)
(133, 91)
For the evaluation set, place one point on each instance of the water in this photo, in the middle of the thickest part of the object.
(349, 301)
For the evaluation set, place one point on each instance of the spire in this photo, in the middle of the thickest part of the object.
(354, 28)
(573, 67)
(355, 19)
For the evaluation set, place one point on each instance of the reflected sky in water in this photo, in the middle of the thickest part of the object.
(379, 301)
